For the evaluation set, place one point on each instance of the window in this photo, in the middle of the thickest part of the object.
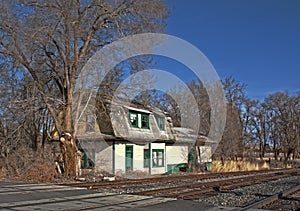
(133, 119)
(158, 158)
(90, 123)
(161, 122)
(139, 120)
(146, 158)
(145, 121)
(86, 162)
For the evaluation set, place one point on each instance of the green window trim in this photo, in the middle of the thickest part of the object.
(145, 121)
(139, 120)
(161, 123)
(133, 119)
(158, 158)
(86, 162)
(146, 158)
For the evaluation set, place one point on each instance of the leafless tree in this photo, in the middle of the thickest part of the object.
(52, 40)
(283, 111)
(248, 111)
(204, 107)
(261, 128)
(231, 145)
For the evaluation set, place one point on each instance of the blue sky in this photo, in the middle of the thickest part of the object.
(255, 41)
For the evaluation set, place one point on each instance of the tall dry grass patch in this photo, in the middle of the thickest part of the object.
(231, 166)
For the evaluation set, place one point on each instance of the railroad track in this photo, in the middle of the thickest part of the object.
(285, 200)
(192, 186)
(164, 179)
(194, 191)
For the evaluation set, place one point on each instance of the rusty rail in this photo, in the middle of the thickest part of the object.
(271, 199)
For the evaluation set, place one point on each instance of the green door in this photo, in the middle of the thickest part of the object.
(129, 158)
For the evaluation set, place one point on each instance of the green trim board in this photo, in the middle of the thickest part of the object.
(145, 121)
(161, 122)
(133, 119)
(139, 120)
(146, 158)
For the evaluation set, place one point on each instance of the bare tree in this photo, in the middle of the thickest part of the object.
(250, 107)
(283, 112)
(52, 40)
(203, 102)
(231, 145)
(234, 92)
(261, 128)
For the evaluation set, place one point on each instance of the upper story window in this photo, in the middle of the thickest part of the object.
(161, 122)
(139, 120)
(145, 121)
(90, 123)
(133, 119)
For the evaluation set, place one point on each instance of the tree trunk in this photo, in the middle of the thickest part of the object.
(71, 156)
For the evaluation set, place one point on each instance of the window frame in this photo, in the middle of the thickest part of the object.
(146, 158)
(158, 158)
(139, 120)
(148, 121)
(136, 120)
(159, 120)
(90, 123)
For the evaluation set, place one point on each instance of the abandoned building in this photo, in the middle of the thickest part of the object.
(135, 138)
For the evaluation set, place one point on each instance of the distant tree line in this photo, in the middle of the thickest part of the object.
(253, 128)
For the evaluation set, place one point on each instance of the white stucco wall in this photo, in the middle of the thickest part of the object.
(172, 155)
(138, 158)
(120, 158)
(176, 154)
(103, 160)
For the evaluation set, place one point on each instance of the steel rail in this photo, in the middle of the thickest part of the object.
(271, 199)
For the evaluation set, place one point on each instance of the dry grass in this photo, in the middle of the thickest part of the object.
(27, 165)
(39, 172)
(230, 166)
(2, 173)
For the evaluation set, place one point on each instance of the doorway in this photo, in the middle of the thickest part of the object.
(129, 158)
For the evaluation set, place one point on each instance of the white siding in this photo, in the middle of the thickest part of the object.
(176, 154)
(103, 159)
(157, 145)
(119, 158)
(138, 158)
(172, 155)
